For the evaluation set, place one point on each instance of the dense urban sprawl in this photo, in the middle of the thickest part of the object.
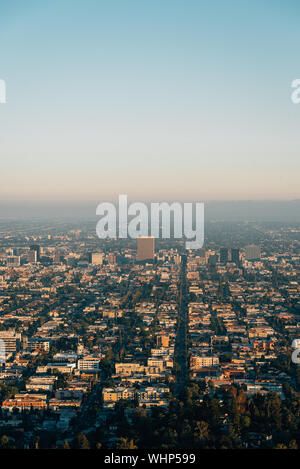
(190, 349)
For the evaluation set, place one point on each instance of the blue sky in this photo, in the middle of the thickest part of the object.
(157, 99)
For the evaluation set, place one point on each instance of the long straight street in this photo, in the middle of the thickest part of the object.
(181, 348)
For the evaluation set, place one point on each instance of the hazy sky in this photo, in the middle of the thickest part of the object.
(157, 99)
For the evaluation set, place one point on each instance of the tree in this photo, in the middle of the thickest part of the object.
(246, 421)
(82, 442)
(125, 443)
(281, 446)
(293, 444)
(36, 442)
(201, 431)
(6, 443)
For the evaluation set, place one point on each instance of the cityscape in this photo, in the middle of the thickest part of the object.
(149, 230)
(136, 344)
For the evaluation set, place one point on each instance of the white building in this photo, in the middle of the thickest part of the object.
(88, 363)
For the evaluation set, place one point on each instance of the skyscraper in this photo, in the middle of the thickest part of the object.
(223, 255)
(32, 256)
(235, 255)
(35, 248)
(145, 248)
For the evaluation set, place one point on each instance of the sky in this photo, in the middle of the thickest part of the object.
(160, 99)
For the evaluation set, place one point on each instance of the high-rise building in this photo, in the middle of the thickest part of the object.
(201, 252)
(211, 257)
(235, 255)
(223, 255)
(145, 248)
(252, 252)
(97, 258)
(36, 248)
(209, 254)
(32, 256)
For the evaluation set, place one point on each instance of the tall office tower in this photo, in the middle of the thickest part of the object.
(235, 255)
(32, 256)
(208, 254)
(201, 252)
(145, 248)
(97, 258)
(36, 248)
(252, 252)
(211, 257)
(223, 255)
